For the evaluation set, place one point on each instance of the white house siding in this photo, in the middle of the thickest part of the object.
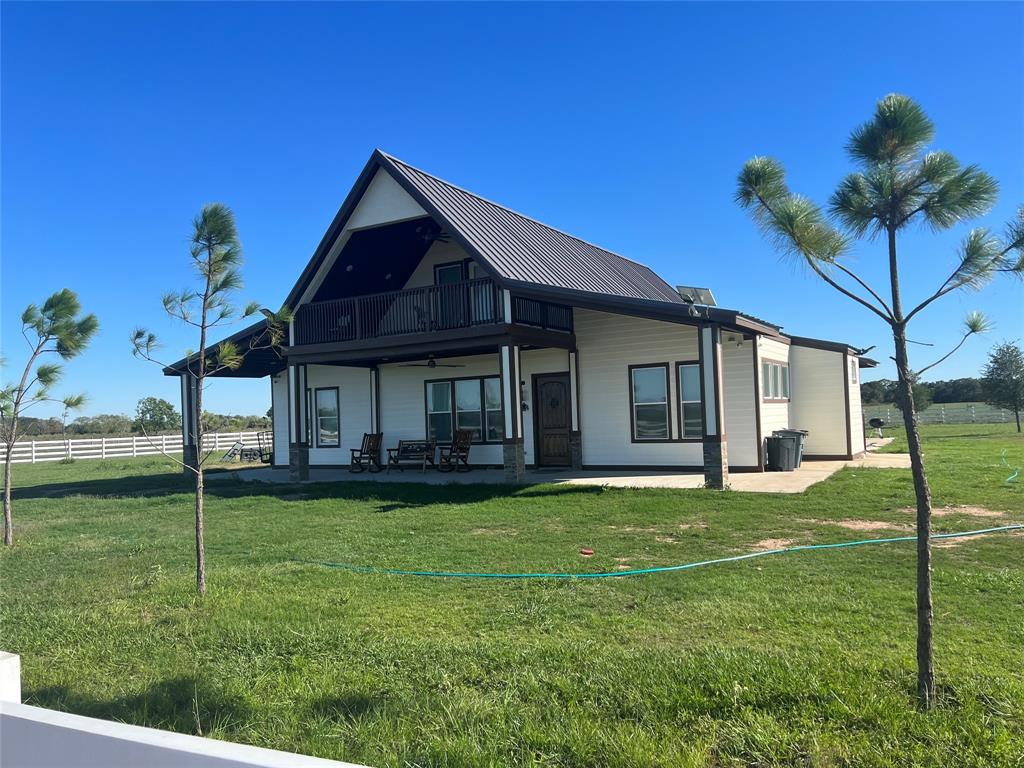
(856, 415)
(354, 401)
(403, 406)
(279, 404)
(531, 362)
(774, 415)
(740, 410)
(818, 405)
(607, 345)
(438, 253)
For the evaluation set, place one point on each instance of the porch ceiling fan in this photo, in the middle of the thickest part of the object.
(431, 364)
(431, 233)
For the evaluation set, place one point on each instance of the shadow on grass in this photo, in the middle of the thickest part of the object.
(346, 707)
(185, 704)
(393, 496)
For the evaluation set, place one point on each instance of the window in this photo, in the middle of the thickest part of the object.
(493, 417)
(328, 420)
(649, 401)
(439, 411)
(468, 413)
(853, 371)
(473, 404)
(774, 380)
(691, 409)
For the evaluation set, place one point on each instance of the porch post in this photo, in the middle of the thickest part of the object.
(575, 434)
(298, 440)
(189, 451)
(716, 453)
(513, 455)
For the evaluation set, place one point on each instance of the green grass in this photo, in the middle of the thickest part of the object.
(795, 660)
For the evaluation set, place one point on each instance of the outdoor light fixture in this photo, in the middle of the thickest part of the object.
(348, 268)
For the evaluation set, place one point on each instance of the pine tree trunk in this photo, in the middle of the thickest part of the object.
(1016, 413)
(8, 520)
(200, 547)
(925, 666)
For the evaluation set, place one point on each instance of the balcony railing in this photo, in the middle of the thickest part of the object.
(555, 317)
(416, 310)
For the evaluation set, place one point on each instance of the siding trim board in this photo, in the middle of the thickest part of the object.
(758, 430)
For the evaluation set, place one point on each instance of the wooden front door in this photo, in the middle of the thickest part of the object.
(552, 419)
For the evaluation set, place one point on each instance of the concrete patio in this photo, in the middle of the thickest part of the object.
(800, 480)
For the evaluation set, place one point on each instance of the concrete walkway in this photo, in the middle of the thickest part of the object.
(800, 480)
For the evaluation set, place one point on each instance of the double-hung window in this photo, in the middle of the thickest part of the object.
(648, 388)
(328, 418)
(473, 404)
(774, 380)
(691, 416)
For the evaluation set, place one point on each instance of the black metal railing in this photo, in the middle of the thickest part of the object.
(416, 310)
(555, 317)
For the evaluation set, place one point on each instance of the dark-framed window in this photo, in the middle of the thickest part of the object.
(774, 381)
(472, 403)
(327, 417)
(691, 405)
(649, 402)
(449, 272)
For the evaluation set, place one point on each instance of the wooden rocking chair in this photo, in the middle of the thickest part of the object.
(367, 456)
(456, 454)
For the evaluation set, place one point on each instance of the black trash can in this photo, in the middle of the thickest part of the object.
(782, 452)
(800, 435)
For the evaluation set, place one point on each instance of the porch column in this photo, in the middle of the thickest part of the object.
(513, 455)
(298, 428)
(575, 435)
(716, 453)
(189, 419)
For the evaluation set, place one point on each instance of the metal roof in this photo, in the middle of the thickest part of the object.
(523, 250)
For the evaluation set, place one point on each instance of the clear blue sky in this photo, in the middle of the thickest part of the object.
(623, 124)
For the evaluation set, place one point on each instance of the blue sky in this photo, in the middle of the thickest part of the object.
(623, 124)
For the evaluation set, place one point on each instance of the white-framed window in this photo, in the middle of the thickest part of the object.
(439, 411)
(774, 380)
(473, 404)
(854, 370)
(691, 407)
(328, 417)
(648, 396)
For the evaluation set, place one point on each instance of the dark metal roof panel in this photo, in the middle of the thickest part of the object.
(519, 248)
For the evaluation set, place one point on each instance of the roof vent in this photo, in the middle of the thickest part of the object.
(692, 295)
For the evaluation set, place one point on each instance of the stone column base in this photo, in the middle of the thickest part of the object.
(576, 450)
(716, 464)
(298, 462)
(190, 458)
(514, 457)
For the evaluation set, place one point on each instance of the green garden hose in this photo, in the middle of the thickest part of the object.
(645, 571)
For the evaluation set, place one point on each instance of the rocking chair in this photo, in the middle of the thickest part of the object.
(456, 454)
(367, 456)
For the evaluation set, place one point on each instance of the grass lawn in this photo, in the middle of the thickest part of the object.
(795, 659)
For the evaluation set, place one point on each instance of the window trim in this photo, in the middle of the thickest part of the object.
(483, 406)
(460, 263)
(668, 405)
(766, 386)
(314, 422)
(679, 401)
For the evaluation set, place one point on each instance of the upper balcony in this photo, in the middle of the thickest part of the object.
(429, 309)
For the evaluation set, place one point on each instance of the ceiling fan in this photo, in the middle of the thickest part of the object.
(431, 364)
(431, 233)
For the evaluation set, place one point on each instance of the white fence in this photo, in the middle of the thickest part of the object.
(34, 737)
(35, 451)
(942, 413)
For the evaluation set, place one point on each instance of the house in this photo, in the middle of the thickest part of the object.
(426, 308)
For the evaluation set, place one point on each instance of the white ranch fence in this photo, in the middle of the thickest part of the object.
(35, 451)
(942, 413)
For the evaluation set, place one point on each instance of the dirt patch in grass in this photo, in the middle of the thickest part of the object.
(950, 543)
(856, 524)
(766, 544)
(689, 526)
(494, 532)
(958, 509)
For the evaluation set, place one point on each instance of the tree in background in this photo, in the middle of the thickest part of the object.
(57, 328)
(102, 424)
(154, 414)
(966, 390)
(1003, 378)
(880, 392)
(69, 403)
(899, 185)
(216, 256)
(922, 397)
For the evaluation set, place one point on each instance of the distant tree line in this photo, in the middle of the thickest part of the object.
(153, 416)
(883, 391)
